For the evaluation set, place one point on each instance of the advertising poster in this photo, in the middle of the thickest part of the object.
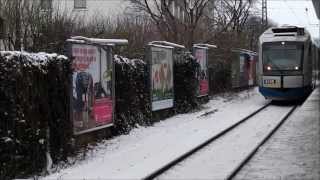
(161, 78)
(251, 71)
(92, 105)
(241, 62)
(202, 58)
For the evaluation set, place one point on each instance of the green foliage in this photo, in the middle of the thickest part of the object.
(132, 94)
(185, 82)
(59, 85)
(34, 101)
(219, 77)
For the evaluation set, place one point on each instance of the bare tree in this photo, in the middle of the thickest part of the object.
(17, 14)
(176, 20)
(222, 22)
(30, 27)
(187, 21)
(230, 16)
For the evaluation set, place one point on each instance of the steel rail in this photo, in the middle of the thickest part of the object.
(255, 150)
(179, 159)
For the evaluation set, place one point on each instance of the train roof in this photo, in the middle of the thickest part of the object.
(285, 33)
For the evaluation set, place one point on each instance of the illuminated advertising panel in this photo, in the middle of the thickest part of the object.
(92, 100)
(162, 94)
(201, 54)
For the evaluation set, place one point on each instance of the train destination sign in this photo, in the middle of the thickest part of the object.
(271, 82)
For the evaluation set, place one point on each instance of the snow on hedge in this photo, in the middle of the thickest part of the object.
(36, 59)
(34, 91)
(132, 93)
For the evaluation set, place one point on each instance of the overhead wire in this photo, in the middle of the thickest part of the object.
(293, 12)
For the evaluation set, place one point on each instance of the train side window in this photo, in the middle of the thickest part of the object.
(310, 55)
(1, 28)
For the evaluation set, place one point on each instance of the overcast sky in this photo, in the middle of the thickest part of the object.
(293, 12)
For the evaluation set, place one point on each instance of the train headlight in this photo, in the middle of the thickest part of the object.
(268, 68)
(296, 68)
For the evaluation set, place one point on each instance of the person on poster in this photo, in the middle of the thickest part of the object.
(107, 81)
(203, 74)
(84, 98)
(99, 92)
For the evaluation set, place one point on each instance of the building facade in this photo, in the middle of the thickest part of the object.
(89, 8)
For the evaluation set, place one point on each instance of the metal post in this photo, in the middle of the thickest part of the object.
(264, 13)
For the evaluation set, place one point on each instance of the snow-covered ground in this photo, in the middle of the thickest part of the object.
(145, 149)
(221, 158)
(293, 152)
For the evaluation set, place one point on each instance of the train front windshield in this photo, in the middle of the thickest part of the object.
(282, 56)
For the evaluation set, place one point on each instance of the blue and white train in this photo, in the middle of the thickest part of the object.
(287, 63)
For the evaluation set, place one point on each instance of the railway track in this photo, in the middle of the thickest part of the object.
(201, 146)
(264, 140)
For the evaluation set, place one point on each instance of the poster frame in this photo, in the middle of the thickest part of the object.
(194, 49)
(109, 57)
(149, 64)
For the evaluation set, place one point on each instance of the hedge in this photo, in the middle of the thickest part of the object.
(185, 82)
(219, 77)
(35, 94)
(132, 81)
(132, 94)
(34, 91)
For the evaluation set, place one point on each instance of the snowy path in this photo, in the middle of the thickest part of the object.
(293, 152)
(221, 157)
(145, 149)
